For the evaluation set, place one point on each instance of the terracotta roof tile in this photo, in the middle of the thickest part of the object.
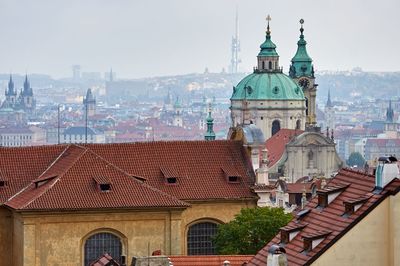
(330, 219)
(210, 260)
(277, 143)
(68, 176)
(75, 188)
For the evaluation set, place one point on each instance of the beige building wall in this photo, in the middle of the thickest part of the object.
(373, 241)
(59, 238)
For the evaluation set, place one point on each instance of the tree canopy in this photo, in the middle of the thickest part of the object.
(251, 229)
(356, 159)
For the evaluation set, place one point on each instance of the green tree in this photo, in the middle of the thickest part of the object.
(355, 159)
(251, 229)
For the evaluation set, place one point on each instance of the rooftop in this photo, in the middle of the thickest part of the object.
(329, 224)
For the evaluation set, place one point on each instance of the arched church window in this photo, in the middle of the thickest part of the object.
(100, 243)
(199, 239)
(270, 65)
(298, 124)
(276, 126)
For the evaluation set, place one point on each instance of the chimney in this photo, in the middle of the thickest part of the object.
(386, 171)
(255, 158)
(277, 256)
(262, 172)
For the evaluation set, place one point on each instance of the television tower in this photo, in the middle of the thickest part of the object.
(235, 47)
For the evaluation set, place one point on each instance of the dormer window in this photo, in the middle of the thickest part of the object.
(352, 205)
(327, 195)
(105, 187)
(231, 174)
(233, 179)
(171, 180)
(42, 180)
(2, 183)
(290, 232)
(170, 175)
(310, 241)
(103, 183)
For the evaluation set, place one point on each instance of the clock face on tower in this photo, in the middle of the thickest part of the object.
(304, 83)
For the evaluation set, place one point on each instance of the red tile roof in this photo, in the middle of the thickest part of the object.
(74, 187)
(64, 177)
(210, 260)
(197, 164)
(277, 143)
(330, 220)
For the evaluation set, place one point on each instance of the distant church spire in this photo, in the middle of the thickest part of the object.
(390, 113)
(210, 134)
(328, 102)
(11, 90)
(111, 75)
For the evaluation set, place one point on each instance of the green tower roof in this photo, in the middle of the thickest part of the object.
(268, 47)
(301, 62)
(267, 86)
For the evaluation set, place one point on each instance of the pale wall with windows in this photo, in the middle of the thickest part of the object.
(373, 241)
(58, 238)
(263, 113)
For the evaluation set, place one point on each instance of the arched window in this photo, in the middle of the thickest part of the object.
(263, 65)
(270, 65)
(276, 126)
(298, 124)
(199, 239)
(100, 243)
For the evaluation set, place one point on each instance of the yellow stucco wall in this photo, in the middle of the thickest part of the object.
(58, 238)
(371, 242)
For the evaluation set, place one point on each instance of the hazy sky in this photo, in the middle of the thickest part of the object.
(152, 38)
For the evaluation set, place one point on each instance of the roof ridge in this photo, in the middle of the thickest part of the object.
(57, 178)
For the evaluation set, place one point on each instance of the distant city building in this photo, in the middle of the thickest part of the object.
(76, 72)
(329, 113)
(24, 102)
(178, 121)
(80, 134)
(89, 103)
(15, 136)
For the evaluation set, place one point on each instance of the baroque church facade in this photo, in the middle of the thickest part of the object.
(270, 100)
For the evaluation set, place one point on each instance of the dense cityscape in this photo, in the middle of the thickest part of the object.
(272, 165)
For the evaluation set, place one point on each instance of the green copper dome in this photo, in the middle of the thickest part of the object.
(267, 86)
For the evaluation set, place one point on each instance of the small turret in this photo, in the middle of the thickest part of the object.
(268, 58)
(210, 134)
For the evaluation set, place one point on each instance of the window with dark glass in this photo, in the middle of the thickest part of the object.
(276, 126)
(199, 239)
(98, 244)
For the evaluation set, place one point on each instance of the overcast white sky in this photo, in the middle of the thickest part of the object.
(152, 38)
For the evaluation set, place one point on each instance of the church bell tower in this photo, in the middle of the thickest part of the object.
(302, 72)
